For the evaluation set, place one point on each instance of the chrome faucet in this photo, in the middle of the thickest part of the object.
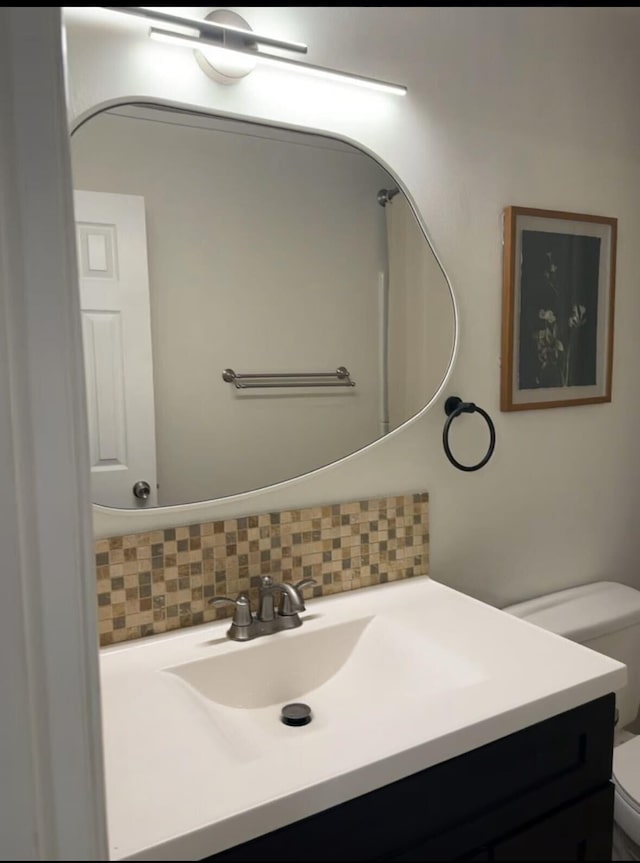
(268, 620)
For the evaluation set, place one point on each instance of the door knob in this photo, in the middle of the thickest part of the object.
(142, 489)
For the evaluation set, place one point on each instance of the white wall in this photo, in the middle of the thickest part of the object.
(264, 255)
(531, 106)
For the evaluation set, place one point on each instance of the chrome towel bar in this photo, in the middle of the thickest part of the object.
(339, 378)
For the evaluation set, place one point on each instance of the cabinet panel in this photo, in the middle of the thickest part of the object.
(507, 784)
(582, 831)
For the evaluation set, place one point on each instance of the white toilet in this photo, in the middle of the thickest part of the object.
(605, 616)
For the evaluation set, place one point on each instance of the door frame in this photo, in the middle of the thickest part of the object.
(52, 796)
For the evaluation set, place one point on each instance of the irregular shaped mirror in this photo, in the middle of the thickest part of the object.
(206, 245)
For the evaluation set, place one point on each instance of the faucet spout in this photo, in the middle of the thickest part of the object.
(293, 603)
(268, 590)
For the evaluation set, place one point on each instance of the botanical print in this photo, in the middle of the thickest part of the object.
(558, 324)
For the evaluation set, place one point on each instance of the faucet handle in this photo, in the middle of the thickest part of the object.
(285, 602)
(242, 615)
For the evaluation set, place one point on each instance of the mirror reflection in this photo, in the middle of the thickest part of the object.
(206, 244)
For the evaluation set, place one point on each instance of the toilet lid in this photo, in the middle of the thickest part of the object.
(626, 771)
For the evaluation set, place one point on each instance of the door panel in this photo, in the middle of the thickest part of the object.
(116, 322)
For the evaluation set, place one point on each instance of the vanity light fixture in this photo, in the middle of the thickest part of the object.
(214, 39)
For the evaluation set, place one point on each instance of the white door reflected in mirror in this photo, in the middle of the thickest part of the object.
(116, 328)
(269, 252)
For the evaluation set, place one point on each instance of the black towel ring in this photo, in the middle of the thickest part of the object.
(453, 407)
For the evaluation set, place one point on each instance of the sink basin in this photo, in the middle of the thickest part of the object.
(350, 669)
(276, 671)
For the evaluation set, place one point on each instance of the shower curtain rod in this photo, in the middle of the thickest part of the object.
(386, 195)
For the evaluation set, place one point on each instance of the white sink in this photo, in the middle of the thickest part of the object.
(361, 678)
(398, 678)
(347, 667)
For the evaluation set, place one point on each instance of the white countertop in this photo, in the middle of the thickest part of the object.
(433, 674)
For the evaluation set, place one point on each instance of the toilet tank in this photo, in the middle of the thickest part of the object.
(604, 616)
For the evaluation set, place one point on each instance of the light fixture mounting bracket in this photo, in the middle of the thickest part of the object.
(223, 66)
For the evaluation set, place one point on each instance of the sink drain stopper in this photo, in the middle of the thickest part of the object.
(296, 714)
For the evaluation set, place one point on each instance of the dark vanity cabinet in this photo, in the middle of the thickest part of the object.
(543, 793)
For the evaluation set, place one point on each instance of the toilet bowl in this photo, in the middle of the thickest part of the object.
(605, 616)
(626, 775)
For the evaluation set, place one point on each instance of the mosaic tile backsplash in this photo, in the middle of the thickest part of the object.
(161, 580)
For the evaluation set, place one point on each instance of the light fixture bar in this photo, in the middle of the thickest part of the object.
(275, 60)
(211, 29)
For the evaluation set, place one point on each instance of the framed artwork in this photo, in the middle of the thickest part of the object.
(557, 313)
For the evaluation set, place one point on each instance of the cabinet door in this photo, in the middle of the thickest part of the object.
(582, 831)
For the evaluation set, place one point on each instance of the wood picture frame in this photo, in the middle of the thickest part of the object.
(558, 308)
